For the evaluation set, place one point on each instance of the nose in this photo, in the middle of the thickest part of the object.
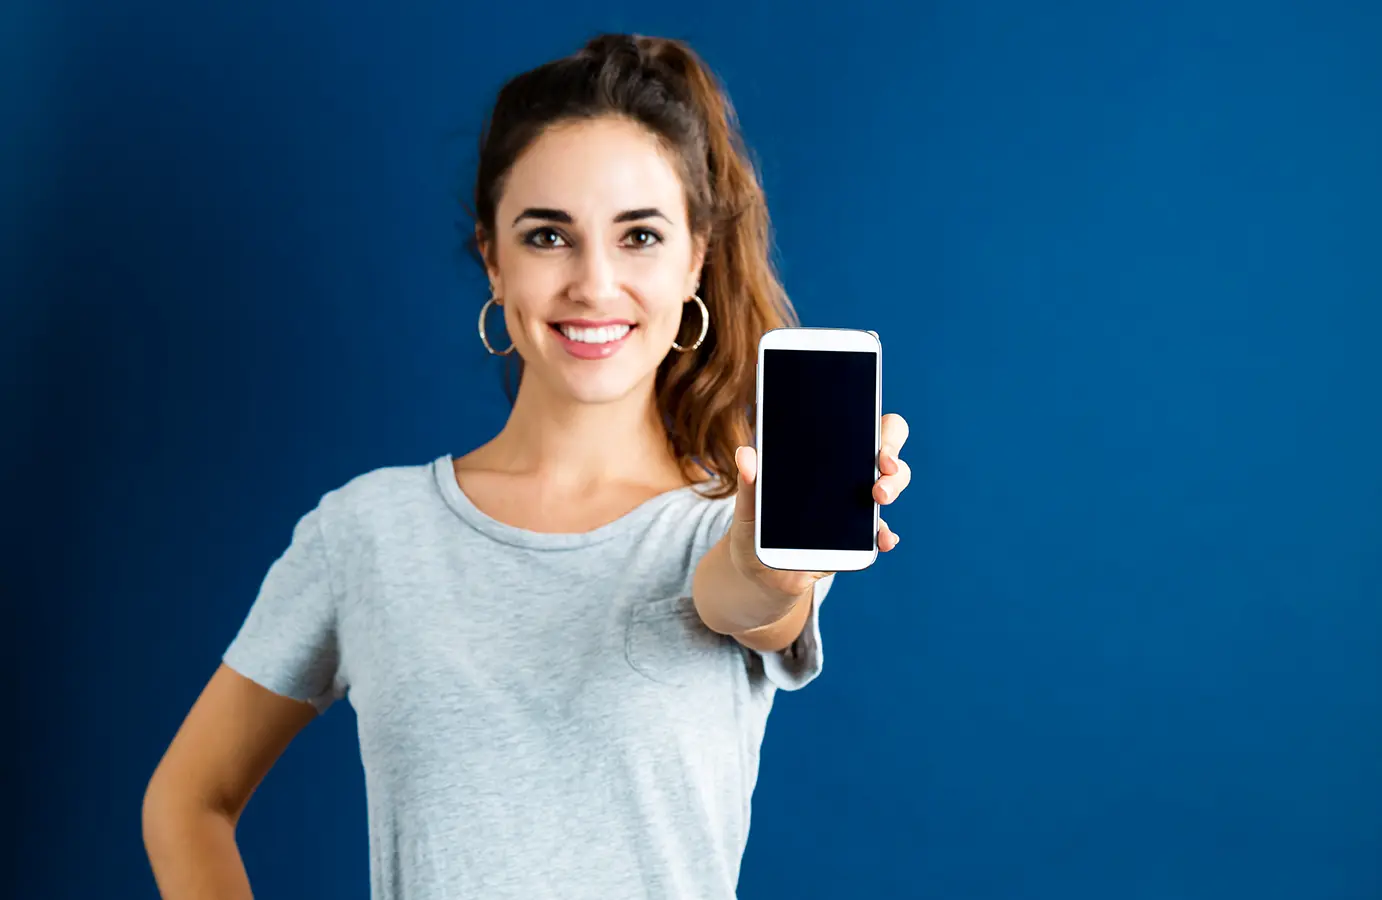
(595, 281)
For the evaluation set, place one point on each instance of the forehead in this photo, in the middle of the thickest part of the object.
(595, 169)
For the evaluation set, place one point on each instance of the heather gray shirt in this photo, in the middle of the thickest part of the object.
(539, 714)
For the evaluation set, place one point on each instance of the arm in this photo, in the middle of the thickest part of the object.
(731, 603)
(230, 739)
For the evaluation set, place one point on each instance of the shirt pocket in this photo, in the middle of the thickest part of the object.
(666, 642)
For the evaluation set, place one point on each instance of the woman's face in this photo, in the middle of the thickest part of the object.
(592, 258)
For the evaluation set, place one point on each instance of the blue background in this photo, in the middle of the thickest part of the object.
(1124, 262)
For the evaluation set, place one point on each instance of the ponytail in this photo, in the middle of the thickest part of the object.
(712, 400)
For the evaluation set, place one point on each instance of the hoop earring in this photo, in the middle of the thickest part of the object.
(705, 327)
(484, 310)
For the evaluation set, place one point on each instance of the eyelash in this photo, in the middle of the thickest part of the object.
(531, 238)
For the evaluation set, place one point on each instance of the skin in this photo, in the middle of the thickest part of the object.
(234, 733)
(582, 447)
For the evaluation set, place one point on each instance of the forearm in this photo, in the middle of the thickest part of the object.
(731, 603)
(193, 853)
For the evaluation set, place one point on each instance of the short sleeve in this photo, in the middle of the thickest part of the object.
(797, 665)
(288, 642)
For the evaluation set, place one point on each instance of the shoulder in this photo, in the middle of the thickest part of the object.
(707, 519)
(376, 496)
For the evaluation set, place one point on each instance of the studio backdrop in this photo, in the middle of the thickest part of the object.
(1123, 259)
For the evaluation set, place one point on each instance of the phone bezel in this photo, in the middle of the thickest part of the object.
(810, 338)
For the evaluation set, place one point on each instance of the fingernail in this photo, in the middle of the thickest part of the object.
(887, 494)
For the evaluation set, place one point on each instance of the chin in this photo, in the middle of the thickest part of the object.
(597, 387)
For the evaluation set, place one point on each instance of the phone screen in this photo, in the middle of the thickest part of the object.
(819, 426)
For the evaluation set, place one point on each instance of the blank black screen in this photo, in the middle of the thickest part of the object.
(818, 449)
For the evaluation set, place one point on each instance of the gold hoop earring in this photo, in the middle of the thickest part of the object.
(484, 310)
(705, 327)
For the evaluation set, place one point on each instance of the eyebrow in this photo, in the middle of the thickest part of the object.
(547, 214)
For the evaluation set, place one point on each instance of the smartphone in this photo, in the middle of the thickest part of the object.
(820, 398)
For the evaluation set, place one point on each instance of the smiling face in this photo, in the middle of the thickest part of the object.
(592, 258)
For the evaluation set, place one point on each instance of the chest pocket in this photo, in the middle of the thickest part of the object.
(666, 642)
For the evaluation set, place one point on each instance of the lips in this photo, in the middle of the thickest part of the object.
(583, 350)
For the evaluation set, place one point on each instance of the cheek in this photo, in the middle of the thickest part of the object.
(663, 286)
(528, 293)
(530, 279)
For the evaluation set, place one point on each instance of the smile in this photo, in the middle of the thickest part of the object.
(592, 343)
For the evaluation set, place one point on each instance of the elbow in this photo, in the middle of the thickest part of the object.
(169, 809)
(157, 813)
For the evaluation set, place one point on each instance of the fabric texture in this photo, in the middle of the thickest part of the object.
(539, 714)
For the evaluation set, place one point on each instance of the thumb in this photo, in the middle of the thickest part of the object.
(745, 506)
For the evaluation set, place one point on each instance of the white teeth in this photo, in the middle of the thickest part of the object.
(594, 335)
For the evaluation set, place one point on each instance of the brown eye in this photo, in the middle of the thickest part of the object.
(643, 238)
(544, 238)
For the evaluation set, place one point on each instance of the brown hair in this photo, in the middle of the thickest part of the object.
(705, 396)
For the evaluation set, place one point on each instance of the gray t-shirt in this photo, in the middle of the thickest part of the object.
(540, 715)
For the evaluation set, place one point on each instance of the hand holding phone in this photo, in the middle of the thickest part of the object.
(819, 432)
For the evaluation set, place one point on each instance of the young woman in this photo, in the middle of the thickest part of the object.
(560, 646)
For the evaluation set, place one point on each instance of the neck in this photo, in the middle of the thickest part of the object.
(582, 446)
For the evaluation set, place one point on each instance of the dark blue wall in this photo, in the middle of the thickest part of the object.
(1124, 261)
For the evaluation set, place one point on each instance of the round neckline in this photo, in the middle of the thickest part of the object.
(460, 503)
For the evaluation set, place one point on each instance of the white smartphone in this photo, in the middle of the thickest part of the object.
(820, 399)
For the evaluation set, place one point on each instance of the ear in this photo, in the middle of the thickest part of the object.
(699, 246)
(489, 253)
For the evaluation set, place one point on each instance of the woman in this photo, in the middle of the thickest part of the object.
(560, 647)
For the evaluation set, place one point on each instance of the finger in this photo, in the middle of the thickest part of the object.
(886, 539)
(887, 488)
(887, 461)
(893, 433)
(746, 460)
